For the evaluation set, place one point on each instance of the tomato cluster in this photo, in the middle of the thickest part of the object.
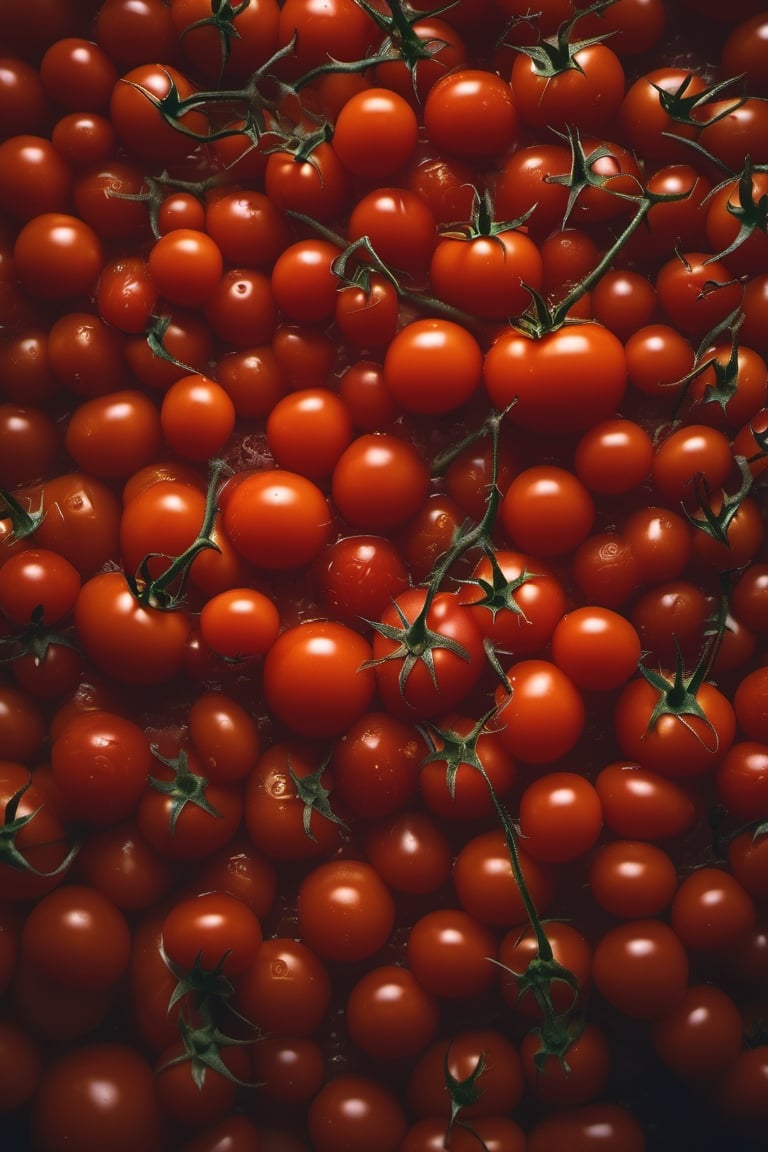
(383, 575)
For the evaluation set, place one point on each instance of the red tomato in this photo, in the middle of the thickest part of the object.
(101, 762)
(214, 931)
(484, 1051)
(375, 133)
(287, 988)
(277, 519)
(560, 817)
(356, 1112)
(544, 716)
(197, 418)
(379, 482)
(712, 911)
(487, 887)
(630, 878)
(597, 648)
(702, 1036)
(641, 969)
(643, 805)
(345, 911)
(409, 851)
(57, 257)
(451, 954)
(77, 938)
(519, 609)
(389, 1015)
(433, 366)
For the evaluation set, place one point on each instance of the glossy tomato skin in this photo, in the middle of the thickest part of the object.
(345, 911)
(544, 716)
(356, 1112)
(101, 763)
(277, 519)
(412, 694)
(77, 938)
(641, 968)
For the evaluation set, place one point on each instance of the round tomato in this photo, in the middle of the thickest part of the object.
(345, 911)
(77, 938)
(542, 715)
(277, 519)
(389, 1015)
(641, 968)
(433, 366)
(356, 1113)
(286, 988)
(100, 762)
(214, 931)
(560, 817)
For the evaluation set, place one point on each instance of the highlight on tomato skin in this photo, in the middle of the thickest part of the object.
(383, 692)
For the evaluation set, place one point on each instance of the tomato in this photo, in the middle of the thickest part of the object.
(24, 104)
(358, 576)
(499, 1082)
(379, 481)
(317, 186)
(375, 765)
(126, 295)
(101, 762)
(137, 644)
(742, 780)
(733, 127)
(389, 1015)
(186, 266)
(693, 452)
(26, 369)
(631, 878)
(596, 647)
(433, 366)
(701, 1038)
(697, 292)
(430, 535)
(585, 93)
(21, 1065)
(450, 114)
(605, 570)
(401, 229)
(658, 358)
(613, 456)
(358, 1114)
(185, 816)
(186, 1103)
(277, 519)
(409, 851)
(711, 910)
(308, 430)
(277, 810)
(85, 354)
(215, 931)
(487, 276)
(544, 716)
(740, 397)
(498, 1133)
(451, 954)
(564, 382)
(660, 541)
(741, 1092)
(683, 744)
(138, 120)
(603, 1127)
(345, 911)
(115, 435)
(111, 198)
(84, 138)
(316, 678)
(22, 726)
(41, 840)
(35, 178)
(519, 949)
(119, 863)
(234, 1133)
(197, 417)
(463, 791)
(289, 1071)
(560, 817)
(486, 884)
(589, 1062)
(375, 133)
(645, 118)
(287, 988)
(246, 226)
(641, 968)
(414, 84)
(38, 579)
(415, 687)
(751, 705)
(94, 1096)
(57, 256)
(77, 938)
(183, 335)
(251, 35)
(672, 618)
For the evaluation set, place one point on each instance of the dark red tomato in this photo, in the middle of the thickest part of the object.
(251, 36)
(41, 840)
(277, 519)
(234, 1133)
(180, 210)
(634, 26)
(96, 1096)
(120, 864)
(112, 198)
(600, 1127)
(247, 227)
(588, 1065)
(741, 1092)
(375, 765)
(132, 31)
(34, 178)
(57, 257)
(751, 705)
(188, 817)
(747, 858)
(742, 780)
(697, 292)
(27, 375)
(743, 394)
(745, 253)
(642, 805)
(30, 441)
(430, 535)
(359, 576)
(308, 430)
(356, 1112)
(693, 455)
(241, 870)
(21, 1065)
(433, 366)
(84, 138)
(86, 355)
(465, 793)
(214, 931)
(596, 647)
(702, 1036)
(712, 911)
(412, 688)
(523, 188)
(487, 276)
(38, 579)
(114, 435)
(565, 382)
(346, 913)
(546, 511)
(185, 336)
(101, 762)
(137, 118)
(51, 676)
(225, 735)
(369, 402)
(22, 97)
(340, 29)
(303, 285)
(631, 878)
(658, 360)
(613, 456)
(389, 1015)
(519, 950)
(375, 133)
(80, 522)
(135, 644)
(585, 94)
(452, 954)
(451, 114)
(544, 716)
(189, 1102)
(445, 184)
(485, 1052)
(277, 815)
(241, 309)
(316, 678)
(380, 481)
(401, 229)
(289, 1071)
(409, 851)
(645, 120)
(486, 884)
(55, 1012)
(641, 969)
(252, 379)
(160, 521)
(126, 296)
(673, 745)
(744, 53)
(734, 128)
(661, 542)
(671, 618)
(533, 602)
(305, 355)
(560, 817)
(677, 223)
(287, 988)
(744, 536)
(10, 936)
(77, 938)
(368, 315)
(498, 1133)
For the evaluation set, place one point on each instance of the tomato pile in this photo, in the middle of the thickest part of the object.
(383, 575)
